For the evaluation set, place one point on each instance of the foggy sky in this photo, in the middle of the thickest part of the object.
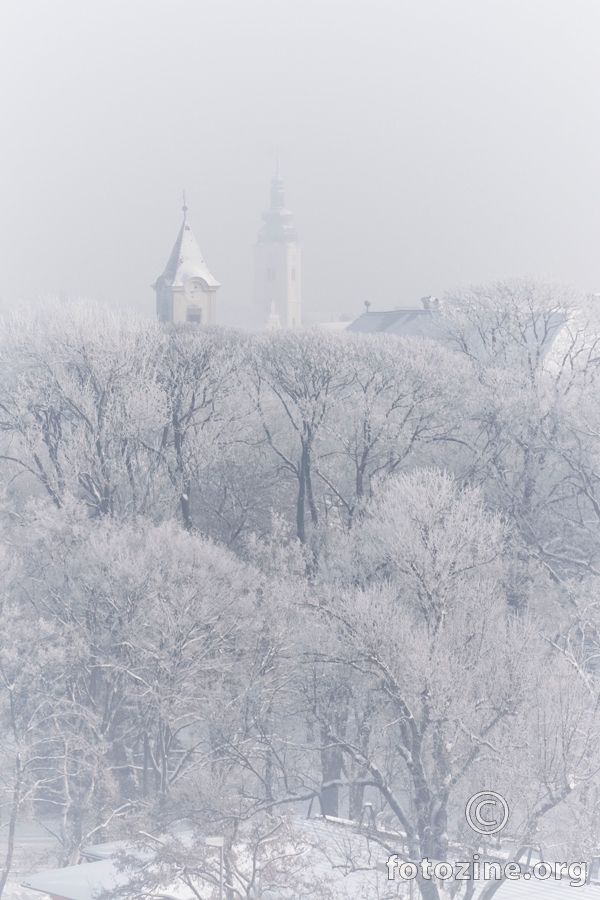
(423, 143)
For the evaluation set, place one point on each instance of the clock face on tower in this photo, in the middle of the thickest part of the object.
(194, 290)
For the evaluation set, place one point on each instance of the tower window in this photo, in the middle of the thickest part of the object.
(293, 273)
(270, 274)
(194, 314)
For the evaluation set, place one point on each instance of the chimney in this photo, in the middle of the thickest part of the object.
(430, 302)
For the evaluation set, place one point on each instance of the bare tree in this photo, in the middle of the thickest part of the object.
(459, 677)
(296, 379)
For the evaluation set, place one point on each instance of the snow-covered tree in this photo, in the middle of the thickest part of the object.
(468, 694)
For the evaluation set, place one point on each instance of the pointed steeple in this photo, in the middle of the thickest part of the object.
(185, 291)
(277, 193)
(278, 226)
(186, 260)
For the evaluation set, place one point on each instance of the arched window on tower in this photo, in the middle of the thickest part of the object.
(194, 314)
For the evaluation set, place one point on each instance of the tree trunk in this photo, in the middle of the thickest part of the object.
(300, 529)
(356, 801)
(12, 825)
(428, 888)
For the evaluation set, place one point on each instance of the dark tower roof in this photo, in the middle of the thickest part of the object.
(278, 228)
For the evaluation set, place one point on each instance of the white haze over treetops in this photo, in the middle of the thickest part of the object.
(423, 144)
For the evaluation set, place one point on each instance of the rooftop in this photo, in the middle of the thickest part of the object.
(186, 260)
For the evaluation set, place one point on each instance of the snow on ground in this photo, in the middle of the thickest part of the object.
(345, 850)
(35, 849)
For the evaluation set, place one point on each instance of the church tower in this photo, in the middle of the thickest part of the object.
(277, 264)
(185, 292)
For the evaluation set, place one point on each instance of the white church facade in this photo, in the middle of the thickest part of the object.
(186, 291)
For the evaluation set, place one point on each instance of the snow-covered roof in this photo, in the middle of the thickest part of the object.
(344, 849)
(334, 326)
(544, 890)
(425, 323)
(405, 322)
(82, 882)
(186, 261)
(104, 851)
(351, 861)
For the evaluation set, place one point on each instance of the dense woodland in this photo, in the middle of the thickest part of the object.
(252, 576)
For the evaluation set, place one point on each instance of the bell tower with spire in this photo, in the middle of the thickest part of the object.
(185, 292)
(277, 263)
